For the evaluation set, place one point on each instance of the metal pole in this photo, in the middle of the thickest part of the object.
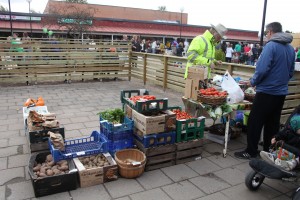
(30, 20)
(11, 31)
(180, 24)
(263, 24)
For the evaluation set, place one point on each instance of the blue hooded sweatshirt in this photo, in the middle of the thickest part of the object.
(275, 65)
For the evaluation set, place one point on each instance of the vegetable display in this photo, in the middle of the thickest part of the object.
(181, 114)
(142, 98)
(49, 168)
(90, 162)
(212, 92)
(115, 116)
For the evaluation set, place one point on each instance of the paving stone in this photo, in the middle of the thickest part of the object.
(203, 166)
(73, 134)
(150, 195)
(215, 196)
(282, 197)
(183, 191)
(21, 190)
(18, 126)
(123, 187)
(209, 183)
(179, 172)
(17, 141)
(153, 179)
(3, 127)
(234, 145)
(26, 149)
(9, 134)
(2, 192)
(80, 119)
(90, 193)
(223, 162)
(242, 192)
(214, 148)
(92, 124)
(88, 131)
(3, 143)
(70, 127)
(18, 160)
(58, 196)
(8, 151)
(9, 174)
(123, 198)
(64, 121)
(3, 163)
(281, 186)
(231, 175)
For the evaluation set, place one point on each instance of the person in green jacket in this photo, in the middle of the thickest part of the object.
(201, 51)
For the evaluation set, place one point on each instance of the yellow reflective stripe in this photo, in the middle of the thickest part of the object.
(206, 47)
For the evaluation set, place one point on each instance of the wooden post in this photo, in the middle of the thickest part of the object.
(145, 69)
(165, 72)
(129, 63)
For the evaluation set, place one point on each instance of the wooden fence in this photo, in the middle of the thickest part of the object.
(48, 60)
(52, 60)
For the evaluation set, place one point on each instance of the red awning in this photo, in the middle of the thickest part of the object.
(17, 25)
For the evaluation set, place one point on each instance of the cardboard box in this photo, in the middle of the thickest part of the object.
(39, 109)
(95, 176)
(128, 111)
(170, 121)
(192, 84)
(197, 73)
(149, 124)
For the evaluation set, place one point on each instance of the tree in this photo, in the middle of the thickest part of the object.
(3, 9)
(162, 8)
(74, 18)
(76, 1)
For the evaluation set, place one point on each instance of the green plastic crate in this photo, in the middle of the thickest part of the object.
(189, 129)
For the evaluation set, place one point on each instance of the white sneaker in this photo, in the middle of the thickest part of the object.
(266, 156)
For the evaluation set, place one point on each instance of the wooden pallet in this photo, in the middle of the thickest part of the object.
(188, 151)
(158, 157)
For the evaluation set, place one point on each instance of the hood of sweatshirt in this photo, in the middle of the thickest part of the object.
(283, 38)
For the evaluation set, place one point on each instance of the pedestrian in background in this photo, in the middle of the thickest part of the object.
(273, 71)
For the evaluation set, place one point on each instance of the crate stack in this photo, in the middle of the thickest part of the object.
(119, 136)
(164, 139)
(53, 170)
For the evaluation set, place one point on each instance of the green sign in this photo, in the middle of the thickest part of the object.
(74, 21)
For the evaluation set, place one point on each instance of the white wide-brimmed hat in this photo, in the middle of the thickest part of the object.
(222, 30)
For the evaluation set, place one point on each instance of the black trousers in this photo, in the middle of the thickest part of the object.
(265, 112)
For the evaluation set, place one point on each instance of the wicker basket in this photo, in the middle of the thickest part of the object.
(249, 97)
(212, 100)
(130, 169)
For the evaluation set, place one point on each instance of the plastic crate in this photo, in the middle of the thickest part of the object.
(114, 146)
(94, 144)
(38, 140)
(116, 131)
(129, 93)
(153, 140)
(52, 184)
(143, 106)
(190, 129)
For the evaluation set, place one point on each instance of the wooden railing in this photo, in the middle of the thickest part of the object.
(168, 71)
(44, 60)
(51, 60)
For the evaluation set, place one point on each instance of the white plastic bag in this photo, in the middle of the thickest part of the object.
(235, 93)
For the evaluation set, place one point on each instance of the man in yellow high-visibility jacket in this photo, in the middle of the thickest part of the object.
(201, 51)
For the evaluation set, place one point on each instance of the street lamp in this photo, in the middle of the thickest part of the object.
(181, 11)
(11, 31)
(29, 1)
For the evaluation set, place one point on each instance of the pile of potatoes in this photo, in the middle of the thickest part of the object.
(90, 162)
(49, 168)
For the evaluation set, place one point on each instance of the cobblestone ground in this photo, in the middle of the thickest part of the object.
(76, 106)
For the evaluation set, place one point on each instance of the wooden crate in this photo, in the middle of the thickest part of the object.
(188, 151)
(159, 156)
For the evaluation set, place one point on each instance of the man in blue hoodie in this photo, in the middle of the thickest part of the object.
(274, 69)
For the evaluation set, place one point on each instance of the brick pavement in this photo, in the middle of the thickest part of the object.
(76, 106)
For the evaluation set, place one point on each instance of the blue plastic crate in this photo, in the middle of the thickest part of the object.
(153, 140)
(116, 132)
(114, 146)
(94, 144)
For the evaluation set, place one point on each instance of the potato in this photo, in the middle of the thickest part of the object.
(37, 168)
(43, 170)
(42, 175)
(63, 167)
(56, 171)
(49, 172)
(62, 162)
(49, 158)
(51, 163)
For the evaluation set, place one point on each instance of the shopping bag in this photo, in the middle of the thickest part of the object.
(235, 93)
